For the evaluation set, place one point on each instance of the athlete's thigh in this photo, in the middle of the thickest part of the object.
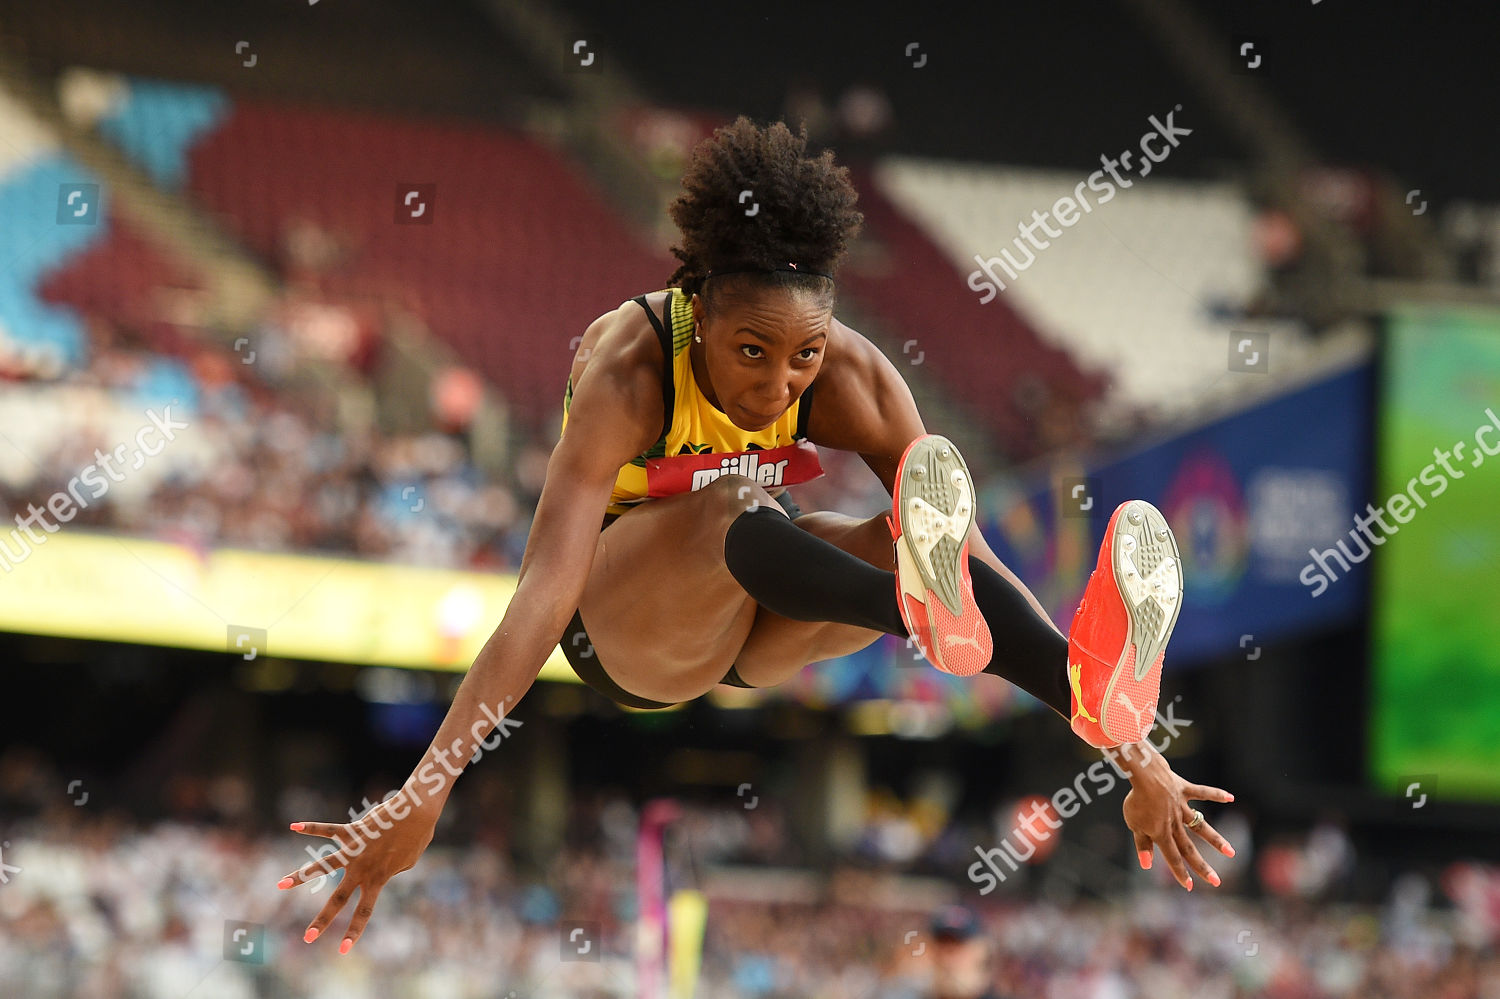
(663, 612)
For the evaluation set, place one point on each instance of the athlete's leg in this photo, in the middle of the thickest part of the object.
(777, 647)
(826, 588)
(668, 616)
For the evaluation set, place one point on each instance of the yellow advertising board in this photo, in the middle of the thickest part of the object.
(117, 588)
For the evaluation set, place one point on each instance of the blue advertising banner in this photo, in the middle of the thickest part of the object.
(1257, 501)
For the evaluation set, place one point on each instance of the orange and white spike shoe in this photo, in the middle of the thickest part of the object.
(1120, 630)
(934, 505)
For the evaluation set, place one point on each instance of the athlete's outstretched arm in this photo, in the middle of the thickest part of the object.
(615, 413)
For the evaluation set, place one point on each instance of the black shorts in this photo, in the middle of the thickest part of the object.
(579, 651)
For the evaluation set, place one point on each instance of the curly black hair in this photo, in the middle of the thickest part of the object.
(805, 212)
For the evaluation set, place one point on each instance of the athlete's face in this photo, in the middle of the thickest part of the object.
(760, 352)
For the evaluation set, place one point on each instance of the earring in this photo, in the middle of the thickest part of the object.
(696, 337)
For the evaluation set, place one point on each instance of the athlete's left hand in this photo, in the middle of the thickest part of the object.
(1158, 813)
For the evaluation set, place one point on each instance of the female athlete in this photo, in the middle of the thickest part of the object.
(687, 413)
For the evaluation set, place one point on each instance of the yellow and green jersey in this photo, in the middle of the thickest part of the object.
(699, 443)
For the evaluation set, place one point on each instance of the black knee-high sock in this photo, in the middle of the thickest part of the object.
(800, 576)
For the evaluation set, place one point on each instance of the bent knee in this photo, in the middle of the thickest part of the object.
(727, 498)
(734, 494)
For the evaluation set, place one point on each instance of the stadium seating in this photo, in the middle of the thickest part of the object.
(514, 229)
(33, 239)
(1129, 289)
(990, 356)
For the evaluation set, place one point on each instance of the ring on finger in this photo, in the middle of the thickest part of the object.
(1197, 819)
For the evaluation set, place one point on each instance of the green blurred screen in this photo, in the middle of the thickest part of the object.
(1436, 622)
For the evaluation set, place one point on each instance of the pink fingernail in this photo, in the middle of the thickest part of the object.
(1229, 851)
(1145, 856)
(1230, 798)
(310, 936)
(344, 947)
(286, 882)
(1214, 880)
(297, 826)
(1190, 884)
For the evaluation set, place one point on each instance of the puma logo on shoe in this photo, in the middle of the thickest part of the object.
(1125, 698)
(1074, 671)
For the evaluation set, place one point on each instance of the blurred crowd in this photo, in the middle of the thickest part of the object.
(105, 909)
(100, 904)
(265, 469)
(256, 467)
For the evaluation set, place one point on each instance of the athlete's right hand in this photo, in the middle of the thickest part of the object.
(371, 850)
